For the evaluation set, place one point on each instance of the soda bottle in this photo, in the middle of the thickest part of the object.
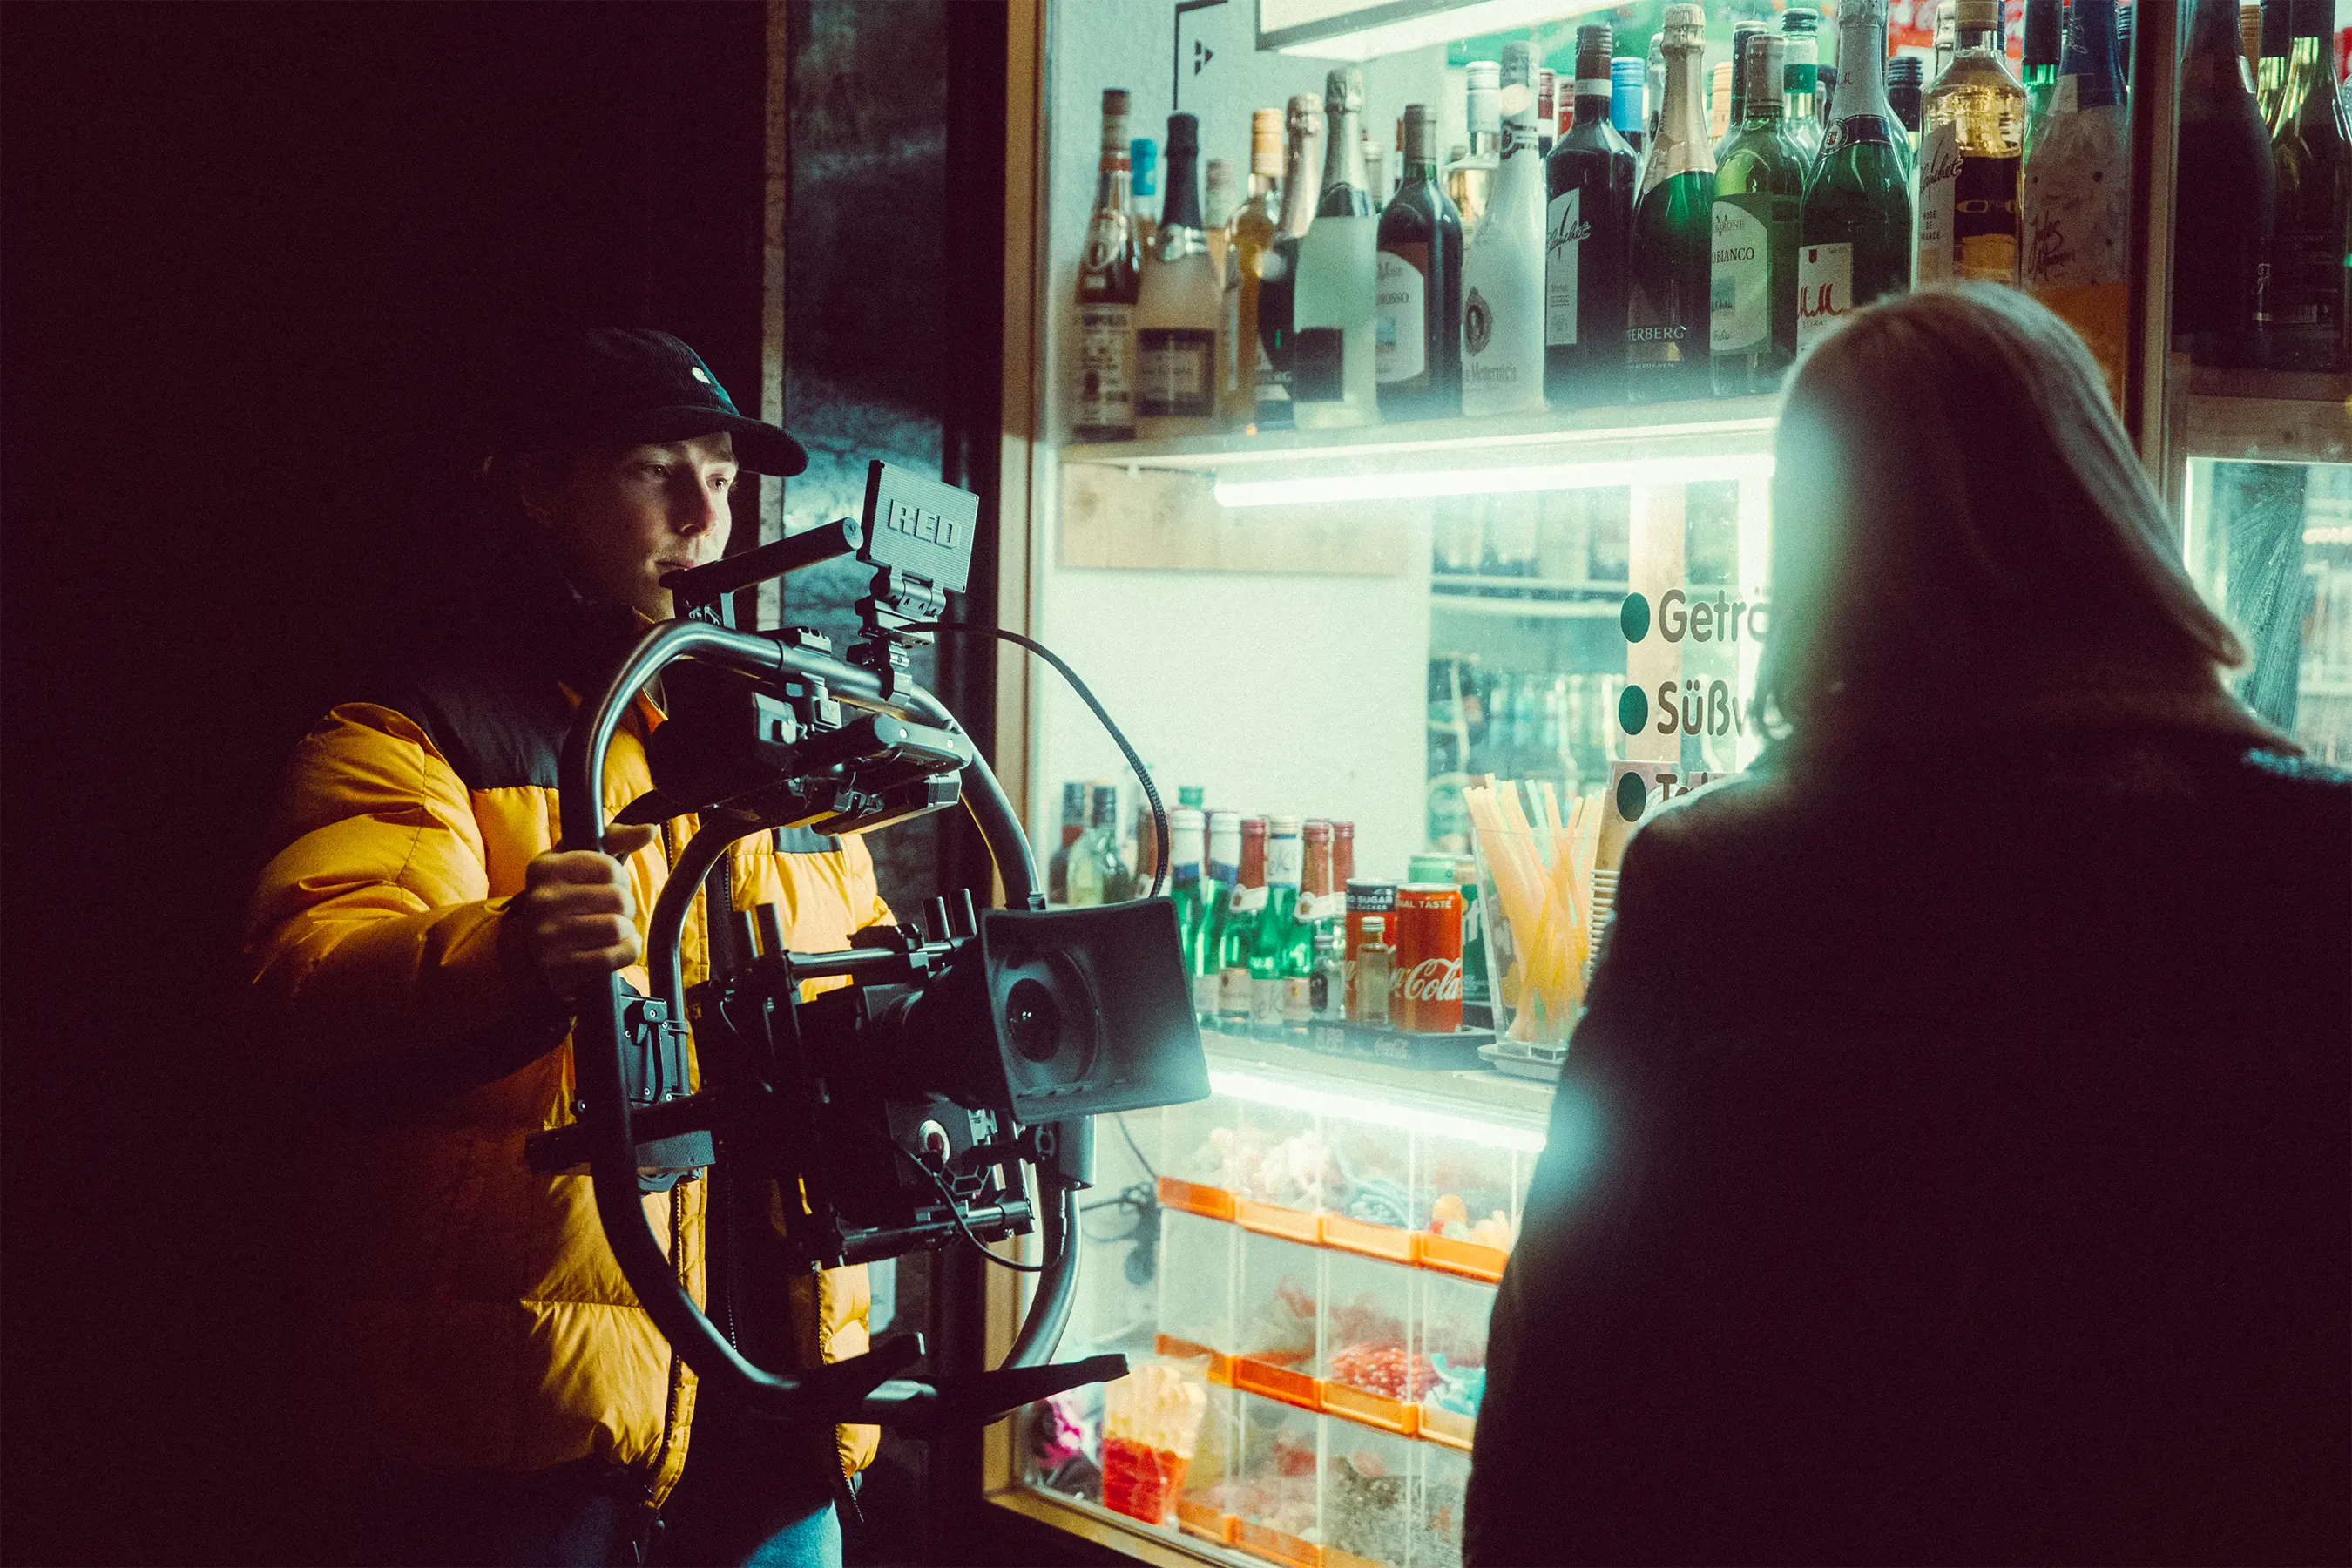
(1269, 954)
(1237, 932)
(1223, 875)
(1189, 892)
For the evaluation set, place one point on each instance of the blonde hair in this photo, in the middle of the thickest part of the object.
(1958, 518)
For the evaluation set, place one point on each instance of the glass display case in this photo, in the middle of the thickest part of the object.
(1484, 650)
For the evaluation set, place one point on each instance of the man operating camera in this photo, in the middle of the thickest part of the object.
(491, 1391)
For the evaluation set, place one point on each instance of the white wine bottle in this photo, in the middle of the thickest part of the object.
(1503, 276)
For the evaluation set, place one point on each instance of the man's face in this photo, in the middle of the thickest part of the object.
(624, 517)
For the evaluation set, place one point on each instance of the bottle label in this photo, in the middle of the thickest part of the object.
(1176, 373)
(1245, 900)
(1824, 290)
(1565, 232)
(1313, 907)
(1739, 314)
(1106, 379)
(1502, 338)
(1984, 220)
(1205, 990)
(1939, 171)
(1265, 1003)
(1285, 862)
(1401, 337)
(2076, 199)
(1234, 992)
(1298, 1000)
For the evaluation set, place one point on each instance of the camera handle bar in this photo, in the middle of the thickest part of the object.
(863, 1387)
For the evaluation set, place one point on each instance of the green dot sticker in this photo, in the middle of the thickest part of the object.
(1632, 797)
(1633, 710)
(1634, 617)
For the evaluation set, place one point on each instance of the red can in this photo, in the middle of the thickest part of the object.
(1427, 995)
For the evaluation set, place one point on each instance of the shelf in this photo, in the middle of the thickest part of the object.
(2278, 416)
(1510, 1111)
(1651, 433)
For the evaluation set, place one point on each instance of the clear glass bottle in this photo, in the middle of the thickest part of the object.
(2075, 198)
(1269, 956)
(1249, 234)
(1667, 308)
(1759, 199)
(1333, 367)
(1588, 232)
(1418, 348)
(1503, 275)
(2306, 306)
(1099, 867)
(1855, 242)
(1972, 148)
(1468, 176)
(1177, 308)
(1375, 979)
(1109, 278)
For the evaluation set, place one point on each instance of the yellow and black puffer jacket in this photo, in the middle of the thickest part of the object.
(471, 1313)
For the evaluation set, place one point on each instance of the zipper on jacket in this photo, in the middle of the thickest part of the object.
(651, 1520)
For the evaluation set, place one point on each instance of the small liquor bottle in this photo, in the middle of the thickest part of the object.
(1109, 276)
(1666, 327)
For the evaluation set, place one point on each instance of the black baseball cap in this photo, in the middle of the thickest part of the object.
(624, 383)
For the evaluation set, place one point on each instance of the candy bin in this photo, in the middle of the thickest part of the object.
(1204, 1507)
(1373, 1368)
(1370, 1209)
(1199, 1158)
(1453, 1322)
(1275, 1339)
(1368, 1496)
(1466, 1205)
(1063, 1437)
(1445, 1479)
(1274, 1491)
(1151, 1422)
(1195, 1311)
(1287, 1175)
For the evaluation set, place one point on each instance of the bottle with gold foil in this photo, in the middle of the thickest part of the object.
(1972, 142)
(1667, 329)
(1855, 244)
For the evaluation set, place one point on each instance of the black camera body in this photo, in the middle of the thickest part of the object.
(935, 1081)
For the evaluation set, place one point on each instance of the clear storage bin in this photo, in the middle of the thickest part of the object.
(1368, 1510)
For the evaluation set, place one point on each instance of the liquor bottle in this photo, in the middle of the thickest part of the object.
(1628, 114)
(1667, 328)
(1099, 867)
(1275, 271)
(1074, 823)
(1321, 904)
(1332, 369)
(1328, 991)
(1855, 242)
(1375, 970)
(1759, 198)
(2224, 198)
(1237, 932)
(1947, 27)
(1191, 892)
(1417, 351)
(2278, 46)
(1503, 276)
(1375, 183)
(1143, 158)
(2039, 62)
(1222, 877)
(1109, 276)
(1547, 110)
(1736, 107)
(1249, 231)
(1801, 29)
(1588, 227)
(1178, 306)
(2075, 197)
(1905, 90)
(1468, 177)
(1270, 947)
(2305, 307)
(1974, 136)
(1719, 103)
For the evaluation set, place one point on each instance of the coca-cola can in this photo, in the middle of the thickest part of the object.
(1368, 898)
(1426, 994)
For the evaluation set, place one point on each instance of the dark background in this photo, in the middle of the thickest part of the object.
(251, 254)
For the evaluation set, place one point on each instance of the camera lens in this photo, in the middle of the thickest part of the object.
(1033, 1020)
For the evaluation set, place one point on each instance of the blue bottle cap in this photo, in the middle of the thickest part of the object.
(1628, 83)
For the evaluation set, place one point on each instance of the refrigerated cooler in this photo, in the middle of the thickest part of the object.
(1368, 624)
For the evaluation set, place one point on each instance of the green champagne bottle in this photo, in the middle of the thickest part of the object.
(1666, 323)
(1191, 892)
(1855, 245)
(1269, 949)
(1759, 197)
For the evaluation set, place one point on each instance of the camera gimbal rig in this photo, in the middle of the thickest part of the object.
(895, 1113)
